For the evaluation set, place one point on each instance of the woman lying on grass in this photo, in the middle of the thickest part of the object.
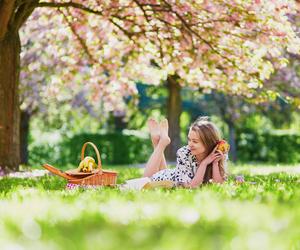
(198, 162)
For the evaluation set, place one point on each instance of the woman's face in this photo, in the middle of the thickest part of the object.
(195, 144)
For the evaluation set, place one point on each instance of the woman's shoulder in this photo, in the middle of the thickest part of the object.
(185, 158)
(184, 151)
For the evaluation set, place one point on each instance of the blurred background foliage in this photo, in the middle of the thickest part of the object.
(59, 114)
(266, 133)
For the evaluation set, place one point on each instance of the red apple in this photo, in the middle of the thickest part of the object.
(223, 146)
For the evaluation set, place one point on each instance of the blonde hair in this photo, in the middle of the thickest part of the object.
(209, 135)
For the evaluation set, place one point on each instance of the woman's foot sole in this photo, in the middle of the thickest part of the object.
(154, 131)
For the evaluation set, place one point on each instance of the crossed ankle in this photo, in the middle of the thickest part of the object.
(164, 140)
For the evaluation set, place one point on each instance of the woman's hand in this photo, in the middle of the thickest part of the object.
(217, 176)
(215, 155)
(218, 158)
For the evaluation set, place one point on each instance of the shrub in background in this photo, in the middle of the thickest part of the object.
(115, 148)
(272, 147)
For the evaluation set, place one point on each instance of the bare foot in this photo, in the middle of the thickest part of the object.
(154, 131)
(164, 129)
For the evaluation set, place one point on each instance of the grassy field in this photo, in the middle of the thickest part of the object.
(261, 213)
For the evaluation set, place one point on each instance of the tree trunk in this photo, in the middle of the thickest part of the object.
(173, 114)
(232, 142)
(24, 134)
(9, 101)
(119, 121)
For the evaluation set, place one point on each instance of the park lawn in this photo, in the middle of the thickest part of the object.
(262, 213)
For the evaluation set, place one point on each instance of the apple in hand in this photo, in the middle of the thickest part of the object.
(223, 146)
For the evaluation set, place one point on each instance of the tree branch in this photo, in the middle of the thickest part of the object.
(23, 12)
(70, 4)
(142, 9)
(80, 40)
(86, 9)
(126, 32)
(6, 11)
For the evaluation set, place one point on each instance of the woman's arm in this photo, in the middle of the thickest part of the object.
(198, 178)
(214, 157)
(216, 175)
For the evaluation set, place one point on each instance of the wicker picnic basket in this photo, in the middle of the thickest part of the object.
(97, 177)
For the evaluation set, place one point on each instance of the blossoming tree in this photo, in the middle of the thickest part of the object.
(231, 45)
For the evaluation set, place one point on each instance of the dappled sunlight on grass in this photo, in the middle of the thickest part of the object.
(261, 213)
(255, 169)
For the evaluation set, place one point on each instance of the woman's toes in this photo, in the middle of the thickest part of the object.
(151, 123)
(164, 129)
(164, 125)
(154, 130)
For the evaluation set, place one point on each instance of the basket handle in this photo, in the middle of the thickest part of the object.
(97, 153)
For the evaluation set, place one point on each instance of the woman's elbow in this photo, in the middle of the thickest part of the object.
(219, 181)
(194, 184)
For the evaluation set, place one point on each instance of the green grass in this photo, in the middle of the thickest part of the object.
(262, 213)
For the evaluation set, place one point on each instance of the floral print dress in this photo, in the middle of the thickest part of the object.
(185, 170)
